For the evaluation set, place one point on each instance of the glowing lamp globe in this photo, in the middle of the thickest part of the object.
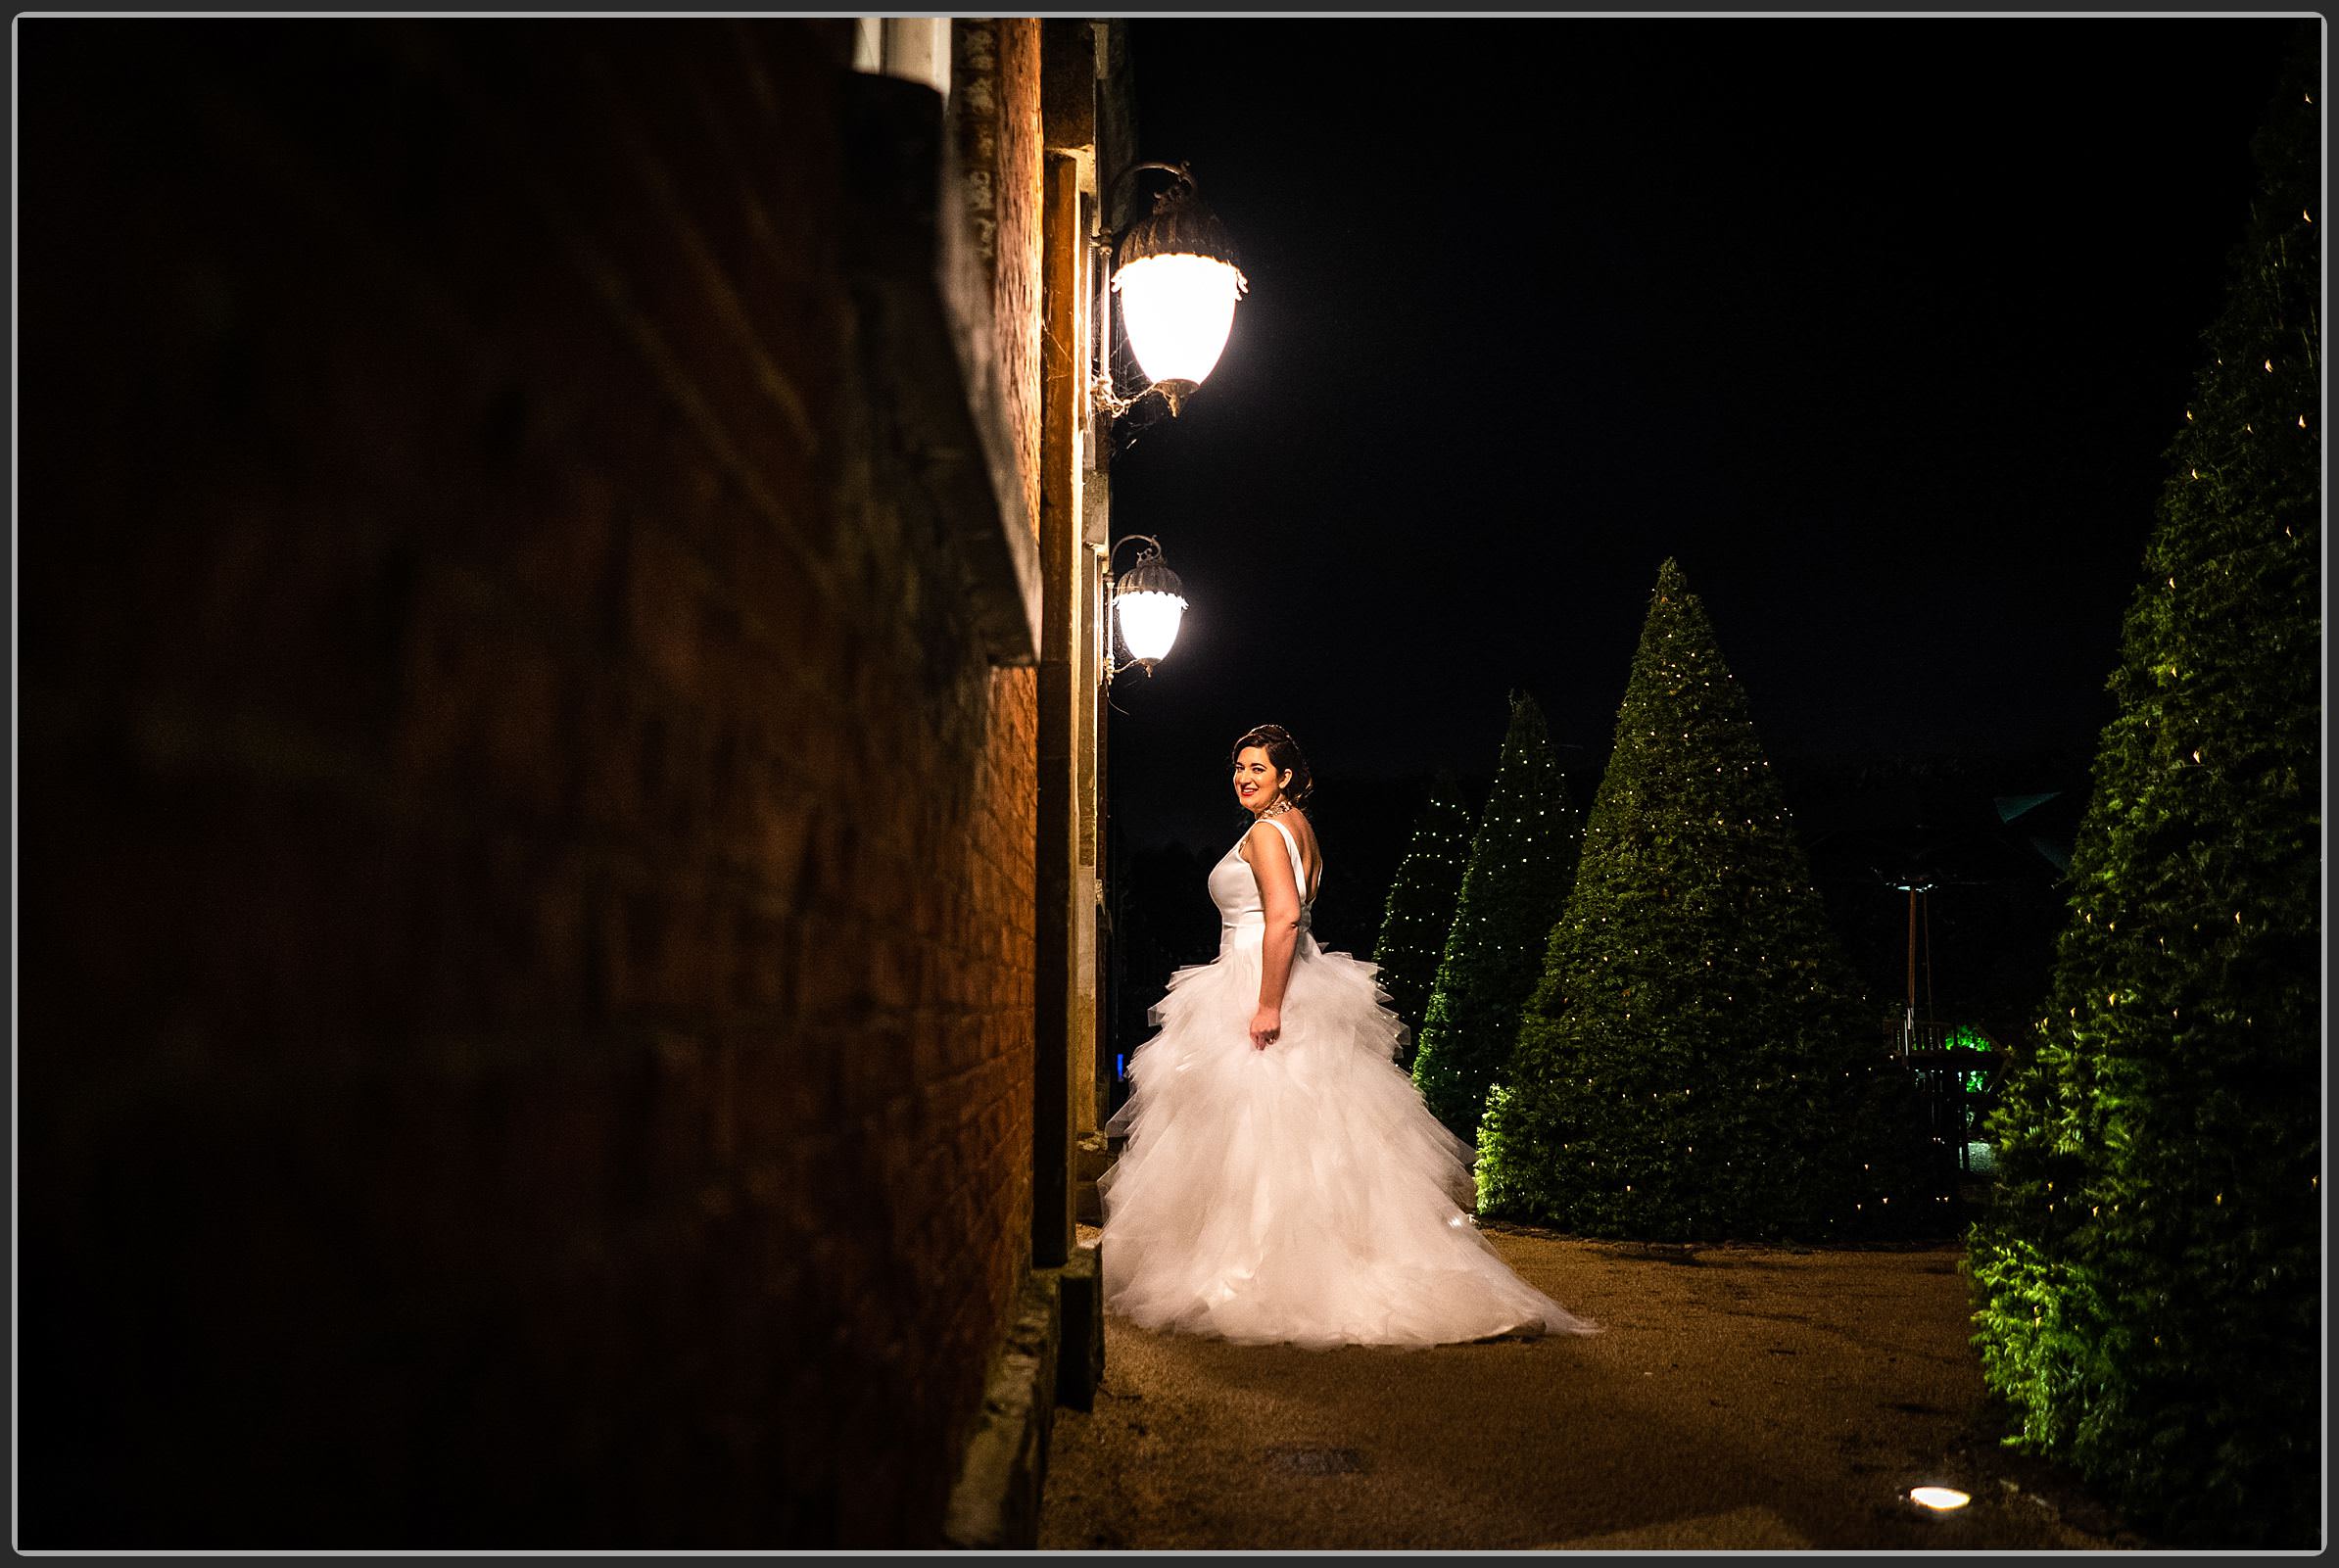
(1178, 279)
(1178, 310)
(1148, 603)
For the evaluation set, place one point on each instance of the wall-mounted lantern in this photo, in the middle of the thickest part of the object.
(1178, 278)
(1147, 604)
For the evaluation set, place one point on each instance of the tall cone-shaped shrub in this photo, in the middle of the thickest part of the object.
(1523, 859)
(2147, 1279)
(1422, 897)
(1697, 1060)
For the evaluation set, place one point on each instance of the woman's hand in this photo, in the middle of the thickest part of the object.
(1266, 1025)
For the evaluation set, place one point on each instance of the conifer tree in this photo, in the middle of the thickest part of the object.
(1697, 1060)
(1523, 861)
(1421, 902)
(2147, 1278)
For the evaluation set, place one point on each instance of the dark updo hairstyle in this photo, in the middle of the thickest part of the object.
(1285, 752)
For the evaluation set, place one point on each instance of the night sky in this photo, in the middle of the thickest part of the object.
(1878, 326)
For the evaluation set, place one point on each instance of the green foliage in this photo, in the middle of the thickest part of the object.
(1522, 860)
(1422, 903)
(1696, 1060)
(2147, 1280)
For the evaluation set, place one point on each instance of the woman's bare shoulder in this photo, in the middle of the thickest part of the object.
(1263, 831)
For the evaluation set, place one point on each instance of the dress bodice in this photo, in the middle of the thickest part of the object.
(1234, 888)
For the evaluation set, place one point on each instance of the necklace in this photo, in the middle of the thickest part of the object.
(1277, 809)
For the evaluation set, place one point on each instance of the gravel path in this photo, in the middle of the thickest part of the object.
(1741, 1397)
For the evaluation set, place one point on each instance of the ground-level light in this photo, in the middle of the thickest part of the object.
(1939, 1499)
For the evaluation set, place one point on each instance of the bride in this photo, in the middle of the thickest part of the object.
(1283, 1181)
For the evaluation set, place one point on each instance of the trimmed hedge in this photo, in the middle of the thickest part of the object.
(1422, 897)
(1522, 862)
(1699, 1061)
(2147, 1281)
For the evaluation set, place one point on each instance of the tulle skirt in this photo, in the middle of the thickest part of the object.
(1303, 1194)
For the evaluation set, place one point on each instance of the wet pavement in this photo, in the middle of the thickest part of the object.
(1739, 1397)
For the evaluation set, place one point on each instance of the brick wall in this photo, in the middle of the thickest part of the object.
(995, 66)
(527, 940)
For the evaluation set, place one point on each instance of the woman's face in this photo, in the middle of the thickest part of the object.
(1258, 782)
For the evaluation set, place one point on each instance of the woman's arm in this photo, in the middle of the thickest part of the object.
(1279, 897)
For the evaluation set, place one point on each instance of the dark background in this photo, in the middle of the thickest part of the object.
(1878, 326)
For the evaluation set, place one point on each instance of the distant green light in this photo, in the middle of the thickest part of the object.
(1966, 1037)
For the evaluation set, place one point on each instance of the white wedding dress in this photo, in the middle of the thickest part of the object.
(1302, 1194)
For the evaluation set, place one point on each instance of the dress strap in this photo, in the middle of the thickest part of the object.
(1299, 867)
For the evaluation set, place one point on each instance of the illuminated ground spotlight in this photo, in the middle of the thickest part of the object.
(1938, 1499)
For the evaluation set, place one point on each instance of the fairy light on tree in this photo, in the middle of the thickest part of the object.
(1696, 1060)
(1522, 862)
(2147, 1278)
(1422, 897)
